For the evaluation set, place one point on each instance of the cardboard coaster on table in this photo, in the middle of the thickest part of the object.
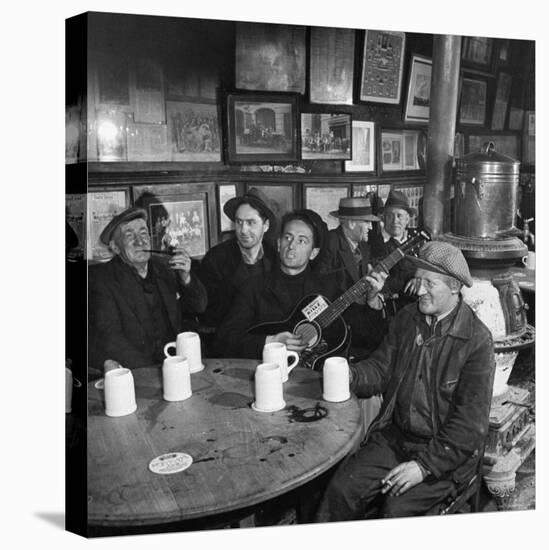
(170, 463)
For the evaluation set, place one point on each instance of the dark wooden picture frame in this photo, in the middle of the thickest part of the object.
(282, 197)
(172, 205)
(477, 52)
(382, 66)
(473, 100)
(401, 150)
(419, 90)
(261, 128)
(326, 136)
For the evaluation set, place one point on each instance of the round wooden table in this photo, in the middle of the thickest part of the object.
(240, 457)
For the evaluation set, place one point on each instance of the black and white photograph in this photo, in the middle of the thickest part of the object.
(326, 136)
(261, 127)
(176, 223)
(300, 278)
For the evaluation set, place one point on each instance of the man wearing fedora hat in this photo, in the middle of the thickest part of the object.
(435, 369)
(226, 266)
(137, 300)
(347, 259)
(399, 288)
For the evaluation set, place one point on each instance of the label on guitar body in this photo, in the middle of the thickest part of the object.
(315, 308)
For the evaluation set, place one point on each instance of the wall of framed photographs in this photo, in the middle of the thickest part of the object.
(181, 114)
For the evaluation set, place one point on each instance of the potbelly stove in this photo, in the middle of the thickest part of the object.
(485, 204)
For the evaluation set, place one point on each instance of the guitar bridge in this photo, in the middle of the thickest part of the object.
(310, 355)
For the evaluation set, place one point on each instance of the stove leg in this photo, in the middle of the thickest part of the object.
(501, 488)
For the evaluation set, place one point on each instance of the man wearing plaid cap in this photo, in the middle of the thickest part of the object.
(435, 369)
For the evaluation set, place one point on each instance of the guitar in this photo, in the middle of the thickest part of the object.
(319, 322)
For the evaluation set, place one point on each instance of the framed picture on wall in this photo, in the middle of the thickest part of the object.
(472, 109)
(193, 131)
(112, 142)
(332, 65)
(382, 66)
(147, 142)
(103, 205)
(225, 192)
(179, 220)
(324, 199)
(402, 149)
(75, 217)
(477, 52)
(270, 57)
(501, 102)
(419, 90)
(261, 128)
(326, 136)
(282, 198)
(363, 144)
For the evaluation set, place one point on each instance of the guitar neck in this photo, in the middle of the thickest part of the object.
(355, 292)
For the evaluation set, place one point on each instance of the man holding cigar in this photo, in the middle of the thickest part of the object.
(137, 300)
(435, 369)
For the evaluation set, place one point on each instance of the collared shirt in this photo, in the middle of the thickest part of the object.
(387, 237)
(246, 258)
(414, 412)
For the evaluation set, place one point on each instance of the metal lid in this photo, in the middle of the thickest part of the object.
(488, 161)
(488, 155)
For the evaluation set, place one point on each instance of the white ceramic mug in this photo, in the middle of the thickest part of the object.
(119, 392)
(176, 379)
(68, 390)
(335, 379)
(187, 345)
(529, 261)
(268, 388)
(276, 352)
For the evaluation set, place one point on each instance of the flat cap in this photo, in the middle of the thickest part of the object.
(442, 257)
(127, 215)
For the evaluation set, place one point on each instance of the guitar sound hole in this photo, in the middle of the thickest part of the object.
(308, 333)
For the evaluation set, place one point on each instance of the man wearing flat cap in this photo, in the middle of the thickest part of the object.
(138, 300)
(435, 369)
(393, 232)
(272, 297)
(226, 266)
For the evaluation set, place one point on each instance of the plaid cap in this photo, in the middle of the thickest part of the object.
(442, 257)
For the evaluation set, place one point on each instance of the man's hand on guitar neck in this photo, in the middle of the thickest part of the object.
(376, 280)
(292, 341)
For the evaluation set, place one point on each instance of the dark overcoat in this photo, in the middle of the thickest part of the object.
(118, 311)
(462, 382)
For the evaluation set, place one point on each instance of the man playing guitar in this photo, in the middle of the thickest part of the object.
(272, 297)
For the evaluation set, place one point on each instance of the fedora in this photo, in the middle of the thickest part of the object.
(397, 199)
(256, 199)
(355, 208)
